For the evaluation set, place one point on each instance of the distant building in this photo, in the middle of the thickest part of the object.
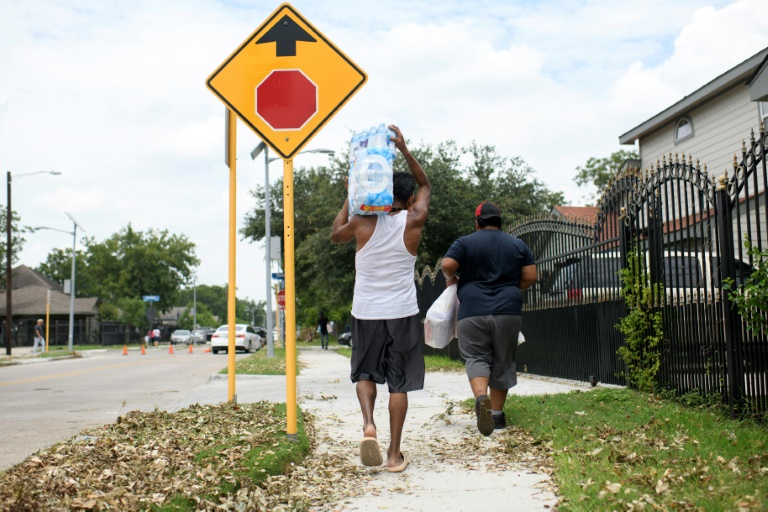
(29, 299)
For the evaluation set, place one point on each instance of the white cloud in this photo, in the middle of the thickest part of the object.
(112, 95)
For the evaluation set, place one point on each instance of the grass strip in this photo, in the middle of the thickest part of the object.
(259, 363)
(624, 450)
(438, 363)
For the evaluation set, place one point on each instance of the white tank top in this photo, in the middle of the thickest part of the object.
(384, 280)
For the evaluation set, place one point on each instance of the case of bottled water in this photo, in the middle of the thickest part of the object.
(370, 172)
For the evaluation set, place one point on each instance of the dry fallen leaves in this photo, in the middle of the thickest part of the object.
(148, 458)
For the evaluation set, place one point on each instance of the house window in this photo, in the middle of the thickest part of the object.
(683, 129)
(762, 108)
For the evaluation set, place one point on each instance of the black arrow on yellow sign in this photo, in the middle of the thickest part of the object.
(286, 33)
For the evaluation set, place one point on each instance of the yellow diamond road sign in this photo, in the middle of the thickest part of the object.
(286, 81)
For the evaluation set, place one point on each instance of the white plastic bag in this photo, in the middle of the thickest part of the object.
(440, 322)
(520, 338)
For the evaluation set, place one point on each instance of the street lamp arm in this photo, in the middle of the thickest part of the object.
(55, 173)
(322, 151)
(54, 229)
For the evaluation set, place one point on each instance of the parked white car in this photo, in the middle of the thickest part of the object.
(246, 339)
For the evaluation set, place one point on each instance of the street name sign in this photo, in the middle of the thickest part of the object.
(151, 298)
(278, 275)
(286, 81)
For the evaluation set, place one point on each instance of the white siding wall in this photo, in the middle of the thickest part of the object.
(719, 127)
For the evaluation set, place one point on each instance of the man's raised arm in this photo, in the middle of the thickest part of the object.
(422, 196)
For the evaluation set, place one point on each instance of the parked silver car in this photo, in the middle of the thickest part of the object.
(197, 336)
(180, 336)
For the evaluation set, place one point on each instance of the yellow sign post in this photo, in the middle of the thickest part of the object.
(285, 81)
(47, 316)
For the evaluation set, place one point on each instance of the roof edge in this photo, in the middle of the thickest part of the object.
(740, 73)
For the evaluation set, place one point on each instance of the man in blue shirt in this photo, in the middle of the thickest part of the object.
(490, 267)
(39, 339)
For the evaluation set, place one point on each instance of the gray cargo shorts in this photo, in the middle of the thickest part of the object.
(488, 344)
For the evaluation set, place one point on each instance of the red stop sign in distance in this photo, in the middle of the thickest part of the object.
(281, 298)
(286, 99)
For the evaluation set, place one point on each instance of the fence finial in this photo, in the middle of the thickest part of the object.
(721, 181)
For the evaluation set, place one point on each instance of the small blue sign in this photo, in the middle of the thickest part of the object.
(278, 275)
(151, 298)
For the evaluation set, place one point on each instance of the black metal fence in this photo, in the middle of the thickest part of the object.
(84, 331)
(687, 232)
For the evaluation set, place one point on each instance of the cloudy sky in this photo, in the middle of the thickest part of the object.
(112, 94)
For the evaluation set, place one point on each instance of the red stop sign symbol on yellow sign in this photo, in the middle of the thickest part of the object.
(286, 81)
(286, 99)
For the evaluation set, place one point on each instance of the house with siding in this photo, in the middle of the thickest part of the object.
(711, 125)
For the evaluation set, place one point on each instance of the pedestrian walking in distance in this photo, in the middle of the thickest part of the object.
(39, 339)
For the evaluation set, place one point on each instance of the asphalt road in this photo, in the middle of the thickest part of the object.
(44, 403)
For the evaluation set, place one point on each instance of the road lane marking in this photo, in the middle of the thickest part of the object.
(70, 374)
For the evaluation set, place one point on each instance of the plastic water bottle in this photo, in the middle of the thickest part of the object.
(370, 177)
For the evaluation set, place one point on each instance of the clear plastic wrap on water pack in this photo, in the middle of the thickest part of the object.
(372, 154)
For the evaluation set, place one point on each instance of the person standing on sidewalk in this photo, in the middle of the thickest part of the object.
(39, 337)
(386, 327)
(322, 325)
(491, 268)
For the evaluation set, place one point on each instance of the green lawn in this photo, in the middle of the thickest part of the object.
(617, 449)
(259, 363)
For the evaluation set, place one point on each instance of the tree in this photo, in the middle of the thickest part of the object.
(214, 298)
(133, 312)
(461, 178)
(204, 317)
(597, 172)
(58, 266)
(17, 239)
(128, 265)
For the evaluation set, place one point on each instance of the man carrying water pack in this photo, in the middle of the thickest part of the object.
(386, 329)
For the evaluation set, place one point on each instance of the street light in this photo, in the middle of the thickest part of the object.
(8, 262)
(322, 151)
(194, 302)
(75, 225)
(268, 229)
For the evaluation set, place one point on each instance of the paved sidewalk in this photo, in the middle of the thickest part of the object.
(452, 467)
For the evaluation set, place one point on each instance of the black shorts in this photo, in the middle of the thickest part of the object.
(389, 351)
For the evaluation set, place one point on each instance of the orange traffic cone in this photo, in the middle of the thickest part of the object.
(190, 349)
(207, 349)
(125, 350)
(170, 349)
(143, 349)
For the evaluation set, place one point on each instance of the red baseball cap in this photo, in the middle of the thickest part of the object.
(487, 210)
